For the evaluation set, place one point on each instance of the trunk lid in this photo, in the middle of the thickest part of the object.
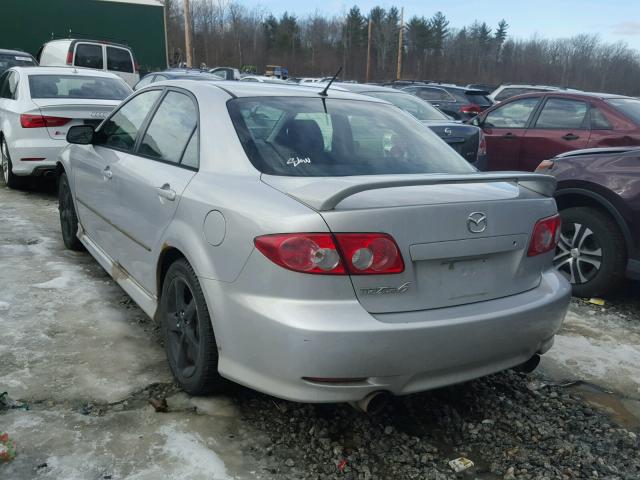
(81, 111)
(449, 259)
(464, 139)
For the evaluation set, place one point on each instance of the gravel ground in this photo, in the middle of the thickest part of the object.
(75, 347)
(510, 425)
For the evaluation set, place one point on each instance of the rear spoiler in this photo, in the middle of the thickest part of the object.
(326, 194)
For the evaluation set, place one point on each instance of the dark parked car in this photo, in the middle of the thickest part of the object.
(598, 197)
(459, 103)
(524, 130)
(467, 140)
(15, 58)
(402, 83)
(186, 74)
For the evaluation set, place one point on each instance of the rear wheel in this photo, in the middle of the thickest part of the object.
(12, 181)
(189, 340)
(68, 217)
(591, 252)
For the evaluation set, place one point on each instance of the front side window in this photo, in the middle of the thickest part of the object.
(119, 60)
(89, 55)
(170, 129)
(562, 113)
(330, 137)
(121, 129)
(76, 86)
(513, 114)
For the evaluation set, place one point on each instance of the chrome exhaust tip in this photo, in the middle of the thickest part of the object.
(373, 403)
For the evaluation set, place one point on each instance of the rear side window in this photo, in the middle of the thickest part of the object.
(119, 60)
(332, 137)
(512, 92)
(562, 113)
(75, 86)
(120, 131)
(434, 94)
(89, 55)
(512, 115)
(630, 107)
(170, 129)
(9, 86)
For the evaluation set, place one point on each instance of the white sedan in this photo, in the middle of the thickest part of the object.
(37, 107)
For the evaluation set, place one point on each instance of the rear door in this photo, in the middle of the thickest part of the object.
(120, 61)
(96, 185)
(504, 129)
(151, 182)
(561, 125)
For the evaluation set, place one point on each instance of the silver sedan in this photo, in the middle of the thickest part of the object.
(317, 247)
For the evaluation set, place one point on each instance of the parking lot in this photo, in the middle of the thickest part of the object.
(86, 361)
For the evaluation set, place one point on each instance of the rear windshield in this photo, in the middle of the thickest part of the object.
(479, 99)
(420, 109)
(15, 60)
(630, 107)
(312, 137)
(75, 86)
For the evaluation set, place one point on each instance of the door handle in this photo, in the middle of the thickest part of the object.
(570, 136)
(437, 105)
(509, 135)
(165, 191)
(107, 174)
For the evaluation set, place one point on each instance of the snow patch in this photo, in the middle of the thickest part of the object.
(4, 306)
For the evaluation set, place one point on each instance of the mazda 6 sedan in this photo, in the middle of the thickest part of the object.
(316, 246)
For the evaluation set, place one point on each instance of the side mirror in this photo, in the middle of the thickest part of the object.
(477, 121)
(80, 134)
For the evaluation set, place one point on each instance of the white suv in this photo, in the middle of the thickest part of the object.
(106, 56)
(507, 90)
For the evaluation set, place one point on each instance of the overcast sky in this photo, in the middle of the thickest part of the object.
(613, 20)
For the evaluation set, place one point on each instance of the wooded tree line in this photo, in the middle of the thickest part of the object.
(227, 33)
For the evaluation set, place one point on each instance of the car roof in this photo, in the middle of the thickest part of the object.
(91, 40)
(257, 89)
(569, 93)
(15, 52)
(198, 75)
(86, 72)
(364, 87)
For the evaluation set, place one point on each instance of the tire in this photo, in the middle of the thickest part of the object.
(591, 252)
(68, 217)
(11, 180)
(189, 341)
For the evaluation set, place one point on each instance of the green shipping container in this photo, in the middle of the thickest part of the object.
(27, 24)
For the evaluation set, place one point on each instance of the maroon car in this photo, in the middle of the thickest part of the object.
(598, 198)
(524, 130)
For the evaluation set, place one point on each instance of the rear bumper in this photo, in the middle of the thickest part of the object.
(269, 345)
(44, 150)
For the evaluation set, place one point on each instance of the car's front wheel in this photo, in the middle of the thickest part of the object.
(591, 252)
(12, 181)
(188, 335)
(68, 217)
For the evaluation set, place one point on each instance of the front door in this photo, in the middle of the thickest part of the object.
(152, 181)
(504, 129)
(562, 125)
(96, 183)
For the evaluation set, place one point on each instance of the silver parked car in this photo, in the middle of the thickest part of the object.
(319, 248)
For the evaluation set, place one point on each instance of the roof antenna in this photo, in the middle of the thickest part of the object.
(323, 93)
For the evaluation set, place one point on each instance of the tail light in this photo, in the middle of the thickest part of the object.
(70, 57)
(546, 234)
(471, 108)
(545, 165)
(342, 254)
(482, 144)
(41, 121)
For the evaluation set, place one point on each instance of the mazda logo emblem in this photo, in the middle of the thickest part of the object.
(447, 131)
(477, 222)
